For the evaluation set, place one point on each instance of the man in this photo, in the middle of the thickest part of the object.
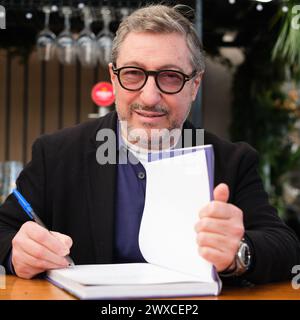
(94, 210)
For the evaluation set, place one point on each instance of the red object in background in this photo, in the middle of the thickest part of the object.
(103, 94)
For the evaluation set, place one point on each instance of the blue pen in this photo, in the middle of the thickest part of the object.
(33, 216)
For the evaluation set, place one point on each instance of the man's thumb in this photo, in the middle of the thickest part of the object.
(66, 240)
(221, 192)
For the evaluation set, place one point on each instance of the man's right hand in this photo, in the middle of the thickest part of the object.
(35, 250)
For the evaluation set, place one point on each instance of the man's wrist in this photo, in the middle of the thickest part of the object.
(230, 268)
(241, 263)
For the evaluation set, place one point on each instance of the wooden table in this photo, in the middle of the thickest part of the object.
(38, 289)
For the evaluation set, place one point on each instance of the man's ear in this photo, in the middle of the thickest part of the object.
(112, 76)
(196, 85)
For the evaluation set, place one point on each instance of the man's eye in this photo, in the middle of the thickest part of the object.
(170, 76)
(133, 73)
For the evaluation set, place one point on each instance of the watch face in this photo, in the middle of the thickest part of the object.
(244, 255)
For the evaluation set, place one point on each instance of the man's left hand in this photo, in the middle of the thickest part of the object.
(219, 230)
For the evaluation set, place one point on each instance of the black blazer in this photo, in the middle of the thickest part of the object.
(74, 195)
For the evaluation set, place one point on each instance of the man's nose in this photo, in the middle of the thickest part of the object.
(150, 94)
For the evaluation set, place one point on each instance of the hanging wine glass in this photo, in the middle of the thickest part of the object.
(65, 43)
(124, 12)
(105, 38)
(86, 45)
(11, 171)
(46, 39)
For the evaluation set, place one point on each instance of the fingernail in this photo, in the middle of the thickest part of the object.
(64, 252)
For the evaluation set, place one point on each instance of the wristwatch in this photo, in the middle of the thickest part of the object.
(242, 260)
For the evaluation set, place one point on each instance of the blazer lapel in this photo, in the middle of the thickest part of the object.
(100, 182)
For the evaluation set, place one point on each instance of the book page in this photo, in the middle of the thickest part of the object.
(176, 189)
(121, 274)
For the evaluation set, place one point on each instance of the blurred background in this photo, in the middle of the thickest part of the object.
(52, 53)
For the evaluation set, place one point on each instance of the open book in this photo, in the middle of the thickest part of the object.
(179, 184)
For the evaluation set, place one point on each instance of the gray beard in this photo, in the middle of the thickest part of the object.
(156, 139)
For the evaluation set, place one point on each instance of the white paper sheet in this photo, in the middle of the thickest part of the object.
(177, 188)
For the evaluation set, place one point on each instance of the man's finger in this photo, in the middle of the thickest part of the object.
(211, 240)
(26, 271)
(218, 210)
(66, 240)
(45, 238)
(219, 259)
(38, 251)
(221, 192)
(214, 225)
(38, 263)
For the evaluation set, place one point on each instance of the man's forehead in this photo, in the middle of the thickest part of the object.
(133, 39)
(167, 49)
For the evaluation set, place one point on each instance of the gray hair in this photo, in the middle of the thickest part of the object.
(161, 19)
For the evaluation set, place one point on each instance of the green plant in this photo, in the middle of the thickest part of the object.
(288, 42)
(264, 113)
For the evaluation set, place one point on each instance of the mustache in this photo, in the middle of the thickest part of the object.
(157, 108)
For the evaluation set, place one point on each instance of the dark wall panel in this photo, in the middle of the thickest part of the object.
(34, 89)
(38, 98)
(2, 103)
(51, 106)
(16, 120)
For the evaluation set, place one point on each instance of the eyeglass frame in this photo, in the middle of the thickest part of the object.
(155, 74)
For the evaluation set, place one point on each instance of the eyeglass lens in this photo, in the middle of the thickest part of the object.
(134, 79)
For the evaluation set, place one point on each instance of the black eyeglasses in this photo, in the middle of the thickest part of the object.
(168, 81)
